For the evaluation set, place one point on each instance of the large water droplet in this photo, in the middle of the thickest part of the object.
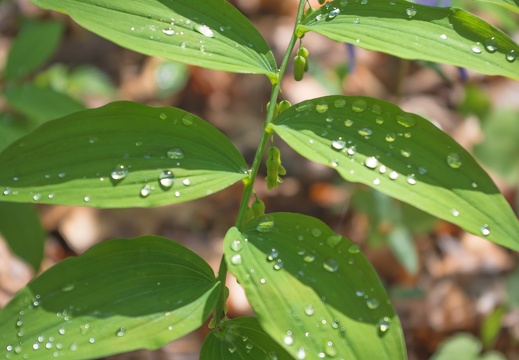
(405, 153)
(166, 179)
(455, 212)
(303, 107)
(321, 108)
(204, 30)
(329, 349)
(476, 48)
(410, 11)
(278, 265)
(393, 175)
(119, 172)
(266, 224)
(168, 32)
(411, 180)
(371, 162)
(331, 265)
(359, 105)
(120, 332)
(383, 324)
(485, 230)
(333, 240)
(272, 255)
(176, 154)
(333, 13)
(236, 259)
(348, 123)
(405, 120)
(309, 310)
(511, 56)
(301, 354)
(338, 144)
(354, 249)
(366, 132)
(236, 245)
(288, 339)
(339, 103)
(491, 45)
(145, 191)
(454, 160)
(372, 303)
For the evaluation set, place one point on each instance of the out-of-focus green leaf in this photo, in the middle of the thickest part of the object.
(120, 155)
(512, 5)
(512, 290)
(207, 33)
(21, 228)
(41, 104)
(241, 338)
(412, 31)
(491, 326)
(11, 129)
(33, 45)
(500, 147)
(120, 295)
(476, 101)
(402, 155)
(314, 293)
(464, 346)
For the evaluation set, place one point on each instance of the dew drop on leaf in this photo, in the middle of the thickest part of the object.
(272, 255)
(205, 30)
(331, 265)
(288, 340)
(236, 259)
(119, 172)
(266, 224)
(490, 44)
(348, 123)
(405, 120)
(321, 108)
(333, 13)
(120, 332)
(405, 153)
(316, 232)
(166, 179)
(333, 240)
(338, 144)
(365, 132)
(383, 324)
(354, 249)
(371, 162)
(309, 310)
(411, 180)
(168, 32)
(410, 11)
(372, 303)
(511, 56)
(186, 182)
(485, 230)
(278, 265)
(454, 160)
(163, 116)
(339, 103)
(455, 212)
(301, 354)
(359, 105)
(145, 191)
(476, 48)
(393, 175)
(236, 245)
(175, 153)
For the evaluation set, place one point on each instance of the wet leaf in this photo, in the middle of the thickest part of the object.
(402, 155)
(120, 295)
(290, 266)
(120, 155)
(412, 31)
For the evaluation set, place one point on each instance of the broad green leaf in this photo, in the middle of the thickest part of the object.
(402, 155)
(21, 228)
(33, 45)
(41, 104)
(499, 148)
(120, 155)
(313, 291)
(11, 129)
(241, 338)
(464, 346)
(412, 31)
(207, 33)
(120, 295)
(508, 4)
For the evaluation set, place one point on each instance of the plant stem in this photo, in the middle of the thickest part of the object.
(249, 184)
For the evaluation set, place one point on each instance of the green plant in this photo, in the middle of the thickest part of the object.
(314, 293)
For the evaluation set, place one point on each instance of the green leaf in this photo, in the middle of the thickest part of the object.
(508, 4)
(402, 155)
(41, 104)
(21, 228)
(464, 346)
(33, 45)
(499, 148)
(412, 31)
(241, 338)
(120, 155)
(313, 291)
(120, 295)
(11, 129)
(207, 33)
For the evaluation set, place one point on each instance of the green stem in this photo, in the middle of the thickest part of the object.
(249, 183)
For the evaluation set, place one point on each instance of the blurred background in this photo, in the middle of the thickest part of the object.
(457, 295)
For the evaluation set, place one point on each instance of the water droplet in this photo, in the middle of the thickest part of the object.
(382, 169)
(91, 340)
(366, 132)
(455, 212)
(334, 162)
(443, 37)
(372, 303)
(376, 181)
(186, 182)
(411, 180)
(301, 354)
(36, 197)
(476, 48)
(119, 172)
(383, 324)
(236, 245)
(67, 287)
(272, 255)
(236, 259)
(339, 103)
(288, 340)
(7, 191)
(371, 162)
(168, 32)
(61, 331)
(166, 179)
(356, 21)
(359, 105)
(177, 193)
(309, 310)
(145, 191)
(348, 122)
(474, 185)
(405, 120)
(204, 30)
(410, 11)
(163, 116)
(352, 150)
(266, 224)
(511, 56)
(263, 280)
(232, 349)
(316, 232)
(175, 153)
(375, 108)
(333, 13)
(329, 349)
(354, 249)
(333, 240)
(187, 119)
(344, 3)
(491, 45)
(120, 332)
(303, 107)
(422, 170)
(309, 258)
(321, 108)
(393, 175)
(338, 144)
(331, 265)
(405, 153)
(454, 160)
(86, 198)
(278, 265)
(485, 230)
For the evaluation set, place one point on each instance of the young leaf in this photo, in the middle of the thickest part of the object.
(412, 31)
(508, 4)
(314, 293)
(33, 46)
(241, 338)
(120, 295)
(402, 155)
(120, 155)
(207, 33)
(21, 228)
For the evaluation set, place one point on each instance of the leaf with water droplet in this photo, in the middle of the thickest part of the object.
(428, 170)
(100, 301)
(311, 311)
(134, 175)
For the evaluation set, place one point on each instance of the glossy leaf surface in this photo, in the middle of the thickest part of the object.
(207, 33)
(312, 290)
(241, 338)
(120, 295)
(120, 155)
(412, 31)
(402, 155)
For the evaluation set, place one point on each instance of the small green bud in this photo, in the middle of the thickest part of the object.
(283, 105)
(258, 208)
(299, 67)
(276, 109)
